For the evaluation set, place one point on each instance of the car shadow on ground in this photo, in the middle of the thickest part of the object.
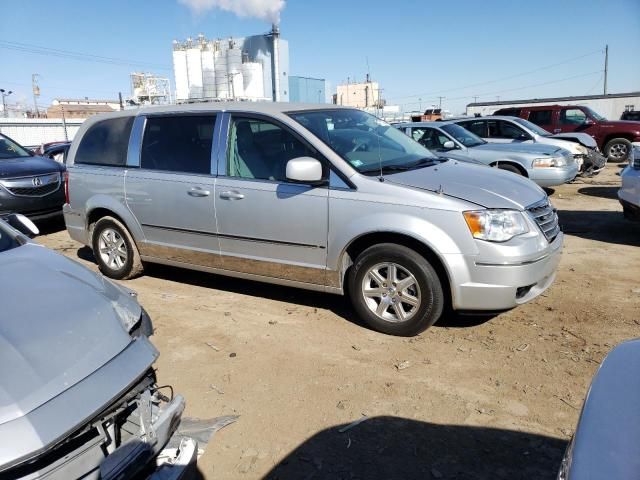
(600, 192)
(338, 304)
(602, 226)
(401, 448)
(47, 227)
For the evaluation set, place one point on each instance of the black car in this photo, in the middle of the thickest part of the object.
(29, 184)
(631, 115)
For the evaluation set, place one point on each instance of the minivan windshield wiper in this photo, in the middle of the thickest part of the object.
(423, 162)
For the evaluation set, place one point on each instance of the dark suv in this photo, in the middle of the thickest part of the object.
(29, 184)
(614, 137)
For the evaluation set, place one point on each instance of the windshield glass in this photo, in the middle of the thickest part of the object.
(366, 142)
(595, 115)
(7, 241)
(532, 126)
(10, 149)
(463, 135)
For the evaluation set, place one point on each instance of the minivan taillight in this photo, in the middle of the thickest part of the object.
(66, 187)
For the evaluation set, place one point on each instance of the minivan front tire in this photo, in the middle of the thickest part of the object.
(114, 250)
(395, 290)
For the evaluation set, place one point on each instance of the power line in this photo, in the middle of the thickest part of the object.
(546, 67)
(87, 57)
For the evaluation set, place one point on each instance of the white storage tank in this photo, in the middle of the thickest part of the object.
(220, 67)
(253, 81)
(194, 70)
(181, 77)
(208, 71)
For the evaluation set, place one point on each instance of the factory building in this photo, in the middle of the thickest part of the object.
(250, 68)
(359, 95)
(307, 90)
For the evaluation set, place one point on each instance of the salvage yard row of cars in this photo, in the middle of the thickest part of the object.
(409, 221)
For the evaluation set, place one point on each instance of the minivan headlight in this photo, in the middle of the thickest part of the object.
(550, 162)
(495, 225)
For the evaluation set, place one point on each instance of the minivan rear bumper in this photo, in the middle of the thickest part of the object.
(491, 287)
(76, 225)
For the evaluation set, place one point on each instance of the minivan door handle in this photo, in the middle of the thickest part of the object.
(231, 195)
(198, 192)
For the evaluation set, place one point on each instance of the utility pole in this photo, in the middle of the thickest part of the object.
(36, 92)
(440, 102)
(64, 124)
(606, 66)
(497, 98)
(475, 98)
(420, 104)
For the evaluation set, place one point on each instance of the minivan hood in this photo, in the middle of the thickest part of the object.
(484, 186)
(59, 322)
(530, 148)
(27, 166)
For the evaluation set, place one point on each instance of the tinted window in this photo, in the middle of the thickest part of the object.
(540, 117)
(178, 143)
(429, 137)
(508, 112)
(511, 131)
(10, 149)
(261, 149)
(479, 127)
(572, 116)
(105, 143)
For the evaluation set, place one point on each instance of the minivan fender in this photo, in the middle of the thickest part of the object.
(99, 206)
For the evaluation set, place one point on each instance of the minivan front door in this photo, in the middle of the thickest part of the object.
(268, 226)
(171, 193)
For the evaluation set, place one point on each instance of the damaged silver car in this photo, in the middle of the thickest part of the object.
(78, 394)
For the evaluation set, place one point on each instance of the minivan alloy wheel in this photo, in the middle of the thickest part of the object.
(391, 292)
(112, 249)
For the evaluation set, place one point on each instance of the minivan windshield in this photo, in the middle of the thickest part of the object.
(10, 149)
(464, 136)
(369, 144)
(532, 126)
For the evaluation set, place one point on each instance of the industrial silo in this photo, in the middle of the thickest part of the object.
(252, 80)
(194, 69)
(180, 71)
(234, 69)
(208, 71)
(220, 68)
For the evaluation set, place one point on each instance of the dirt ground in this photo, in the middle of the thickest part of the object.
(470, 398)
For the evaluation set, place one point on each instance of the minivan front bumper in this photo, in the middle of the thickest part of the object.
(501, 286)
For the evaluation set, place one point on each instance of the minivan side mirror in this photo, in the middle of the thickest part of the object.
(22, 224)
(304, 170)
(449, 145)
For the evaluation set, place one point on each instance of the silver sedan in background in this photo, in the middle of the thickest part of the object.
(546, 165)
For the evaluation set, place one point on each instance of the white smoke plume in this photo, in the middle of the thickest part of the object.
(267, 10)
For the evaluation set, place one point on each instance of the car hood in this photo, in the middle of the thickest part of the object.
(59, 323)
(583, 139)
(521, 148)
(487, 187)
(27, 166)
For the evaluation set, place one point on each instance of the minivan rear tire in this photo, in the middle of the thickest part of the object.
(132, 266)
(410, 267)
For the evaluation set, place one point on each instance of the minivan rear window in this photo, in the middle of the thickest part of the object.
(178, 143)
(105, 143)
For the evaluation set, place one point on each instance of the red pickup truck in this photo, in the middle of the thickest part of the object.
(614, 137)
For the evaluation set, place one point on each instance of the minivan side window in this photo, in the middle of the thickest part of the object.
(540, 117)
(259, 149)
(178, 143)
(572, 116)
(479, 127)
(105, 143)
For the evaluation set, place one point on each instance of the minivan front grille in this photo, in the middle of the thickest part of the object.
(546, 218)
(34, 186)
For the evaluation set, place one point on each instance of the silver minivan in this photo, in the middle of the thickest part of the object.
(312, 196)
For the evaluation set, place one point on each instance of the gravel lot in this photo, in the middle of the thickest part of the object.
(470, 398)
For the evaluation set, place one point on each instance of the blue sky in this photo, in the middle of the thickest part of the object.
(416, 49)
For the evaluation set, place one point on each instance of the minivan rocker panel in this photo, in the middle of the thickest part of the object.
(387, 223)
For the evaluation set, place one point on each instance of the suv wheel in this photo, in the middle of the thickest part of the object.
(618, 149)
(395, 290)
(114, 250)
